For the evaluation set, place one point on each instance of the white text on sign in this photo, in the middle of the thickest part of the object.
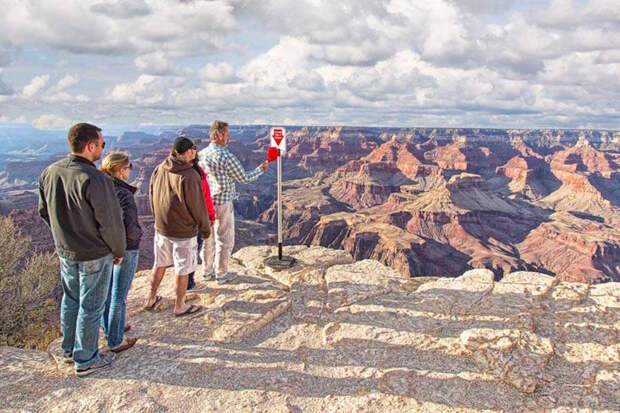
(278, 139)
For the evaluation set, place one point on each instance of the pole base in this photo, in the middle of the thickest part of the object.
(280, 264)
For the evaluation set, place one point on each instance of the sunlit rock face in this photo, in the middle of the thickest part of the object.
(333, 334)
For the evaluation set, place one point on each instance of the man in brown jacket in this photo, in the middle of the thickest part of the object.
(179, 209)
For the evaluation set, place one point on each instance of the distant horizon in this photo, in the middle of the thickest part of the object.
(140, 128)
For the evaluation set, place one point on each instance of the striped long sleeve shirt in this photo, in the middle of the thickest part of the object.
(223, 170)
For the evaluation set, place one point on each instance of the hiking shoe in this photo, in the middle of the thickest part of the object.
(105, 359)
(197, 288)
(67, 357)
(226, 278)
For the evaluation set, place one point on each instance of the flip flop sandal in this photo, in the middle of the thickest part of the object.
(129, 343)
(152, 306)
(192, 309)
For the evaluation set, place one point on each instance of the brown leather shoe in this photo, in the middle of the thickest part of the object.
(127, 328)
(128, 343)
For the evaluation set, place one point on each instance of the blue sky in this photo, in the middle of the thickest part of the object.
(469, 63)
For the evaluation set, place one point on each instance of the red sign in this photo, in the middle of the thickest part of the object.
(278, 135)
(277, 139)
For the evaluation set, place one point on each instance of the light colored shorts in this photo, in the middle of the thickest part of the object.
(180, 252)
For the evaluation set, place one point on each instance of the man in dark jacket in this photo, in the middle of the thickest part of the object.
(79, 204)
(178, 206)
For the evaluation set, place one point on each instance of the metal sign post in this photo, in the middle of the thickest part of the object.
(280, 207)
(278, 141)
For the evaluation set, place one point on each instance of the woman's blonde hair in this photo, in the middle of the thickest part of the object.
(114, 162)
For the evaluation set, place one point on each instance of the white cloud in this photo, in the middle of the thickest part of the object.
(65, 83)
(481, 62)
(156, 63)
(311, 81)
(484, 6)
(145, 90)
(283, 61)
(123, 9)
(220, 73)
(36, 84)
(568, 14)
(5, 88)
(50, 121)
(82, 98)
(85, 26)
(608, 56)
(57, 97)
(7, 52)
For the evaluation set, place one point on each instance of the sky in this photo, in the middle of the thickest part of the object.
(408, 63)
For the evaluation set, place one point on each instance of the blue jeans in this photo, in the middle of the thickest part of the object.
(113, 319)
(85, 287)
(200, 241)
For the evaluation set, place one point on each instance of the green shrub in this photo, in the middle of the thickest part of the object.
(29, 311)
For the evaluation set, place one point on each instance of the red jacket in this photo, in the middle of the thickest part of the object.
(206, 192)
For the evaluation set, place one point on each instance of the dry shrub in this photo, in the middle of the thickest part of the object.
(29, 311)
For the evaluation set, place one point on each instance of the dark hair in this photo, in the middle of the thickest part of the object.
(182, 144)
(80, 135)
(217, 126)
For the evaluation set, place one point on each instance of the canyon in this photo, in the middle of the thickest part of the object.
(423, 201)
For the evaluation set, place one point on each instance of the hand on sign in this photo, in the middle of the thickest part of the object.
(264, 166)
(272, 154)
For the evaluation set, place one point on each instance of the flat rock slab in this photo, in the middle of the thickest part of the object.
(305, 257)
(348, 284)
(334, 335)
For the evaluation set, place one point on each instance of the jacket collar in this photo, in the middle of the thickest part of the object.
(125, 185)
(174, 164)
(81, 159)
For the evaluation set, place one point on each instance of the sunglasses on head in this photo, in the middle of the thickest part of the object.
(130, 166)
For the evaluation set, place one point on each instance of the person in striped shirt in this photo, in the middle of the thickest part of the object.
(223, 171)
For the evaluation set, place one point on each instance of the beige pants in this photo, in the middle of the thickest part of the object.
(217, 248)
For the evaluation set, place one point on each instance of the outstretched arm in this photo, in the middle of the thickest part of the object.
(236, 171)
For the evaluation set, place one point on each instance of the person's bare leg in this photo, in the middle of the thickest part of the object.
(179, 303)
(156, 276)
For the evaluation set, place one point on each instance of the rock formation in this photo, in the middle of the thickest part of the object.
(421, 200)
(331, 334)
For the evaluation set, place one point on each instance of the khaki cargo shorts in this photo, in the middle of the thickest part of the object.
(177, 252)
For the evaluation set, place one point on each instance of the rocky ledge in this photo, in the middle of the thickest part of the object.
(333, 335)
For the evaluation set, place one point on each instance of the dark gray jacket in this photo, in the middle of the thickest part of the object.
(133, 231)
(79, 204)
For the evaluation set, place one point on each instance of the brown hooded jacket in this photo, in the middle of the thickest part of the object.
(177, 201)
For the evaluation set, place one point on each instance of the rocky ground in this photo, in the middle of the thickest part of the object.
(331, 335)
